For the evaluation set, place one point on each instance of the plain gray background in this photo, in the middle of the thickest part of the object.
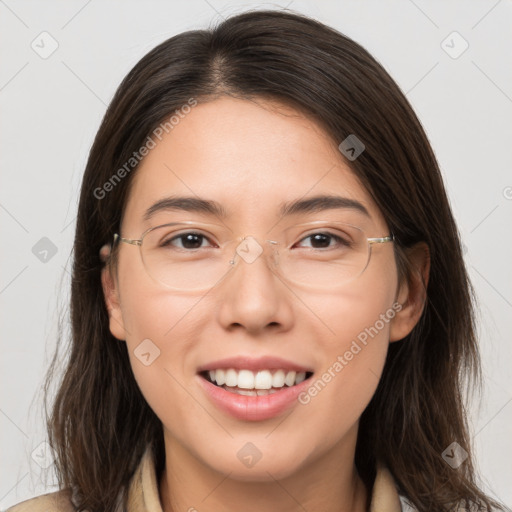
(52, 106)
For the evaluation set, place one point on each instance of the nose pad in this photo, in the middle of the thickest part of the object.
(275, 252)
(249, 250)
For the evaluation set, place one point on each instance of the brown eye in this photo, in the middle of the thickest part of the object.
(186, 241)
(326, 240)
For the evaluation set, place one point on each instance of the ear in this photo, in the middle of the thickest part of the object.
(412, 292)
(111, 294)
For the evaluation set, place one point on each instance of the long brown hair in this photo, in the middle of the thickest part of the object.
(99, 424)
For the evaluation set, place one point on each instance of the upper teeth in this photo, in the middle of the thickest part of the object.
(263, 379)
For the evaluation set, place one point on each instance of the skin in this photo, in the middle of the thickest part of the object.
(250, 156)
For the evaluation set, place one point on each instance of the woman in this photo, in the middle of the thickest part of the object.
(270, 309)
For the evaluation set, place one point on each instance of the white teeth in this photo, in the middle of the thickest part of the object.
(231, 378)
(300, 377)
(246, 392)
(262, 380)
(219, 376)
(289, 380)
(278, 379)
(250, 392)
(245, 379)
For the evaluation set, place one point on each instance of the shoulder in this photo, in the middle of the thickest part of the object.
(59, 501)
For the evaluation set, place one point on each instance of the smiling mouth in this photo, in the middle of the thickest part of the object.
(248, 383)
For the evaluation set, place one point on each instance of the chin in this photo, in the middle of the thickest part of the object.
(267, 469)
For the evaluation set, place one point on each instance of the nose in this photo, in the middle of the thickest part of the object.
(252, 296)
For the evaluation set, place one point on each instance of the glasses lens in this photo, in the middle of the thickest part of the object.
(315, 256)
(183, 257)
(324, 257)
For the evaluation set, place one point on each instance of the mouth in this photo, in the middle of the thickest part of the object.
(255, 383)
(252, 388)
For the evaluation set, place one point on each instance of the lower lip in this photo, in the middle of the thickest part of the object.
(254, 408)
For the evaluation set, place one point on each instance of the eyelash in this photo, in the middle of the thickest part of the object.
(182, 236)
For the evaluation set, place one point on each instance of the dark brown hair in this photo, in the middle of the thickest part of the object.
(99, 424)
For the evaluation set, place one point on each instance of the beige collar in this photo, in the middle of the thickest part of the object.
(143, 495)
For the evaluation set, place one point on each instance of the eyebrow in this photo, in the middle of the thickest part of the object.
(321, 203)
(309, 205)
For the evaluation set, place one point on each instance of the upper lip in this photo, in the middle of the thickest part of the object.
(254, 364)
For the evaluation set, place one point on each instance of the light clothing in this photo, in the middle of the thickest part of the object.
(143, 495)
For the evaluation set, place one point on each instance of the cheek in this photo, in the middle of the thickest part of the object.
(160, 344)
(148, 309)
(363, 305)
(160, 327)
(353, 350)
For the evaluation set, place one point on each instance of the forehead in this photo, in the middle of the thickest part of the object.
(250, 156)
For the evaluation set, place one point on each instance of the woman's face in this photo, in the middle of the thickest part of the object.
(251, 159)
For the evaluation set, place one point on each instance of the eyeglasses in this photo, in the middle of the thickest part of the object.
(193, 256)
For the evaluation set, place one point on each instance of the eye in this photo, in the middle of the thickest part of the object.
(190, 240)
(327, 241)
